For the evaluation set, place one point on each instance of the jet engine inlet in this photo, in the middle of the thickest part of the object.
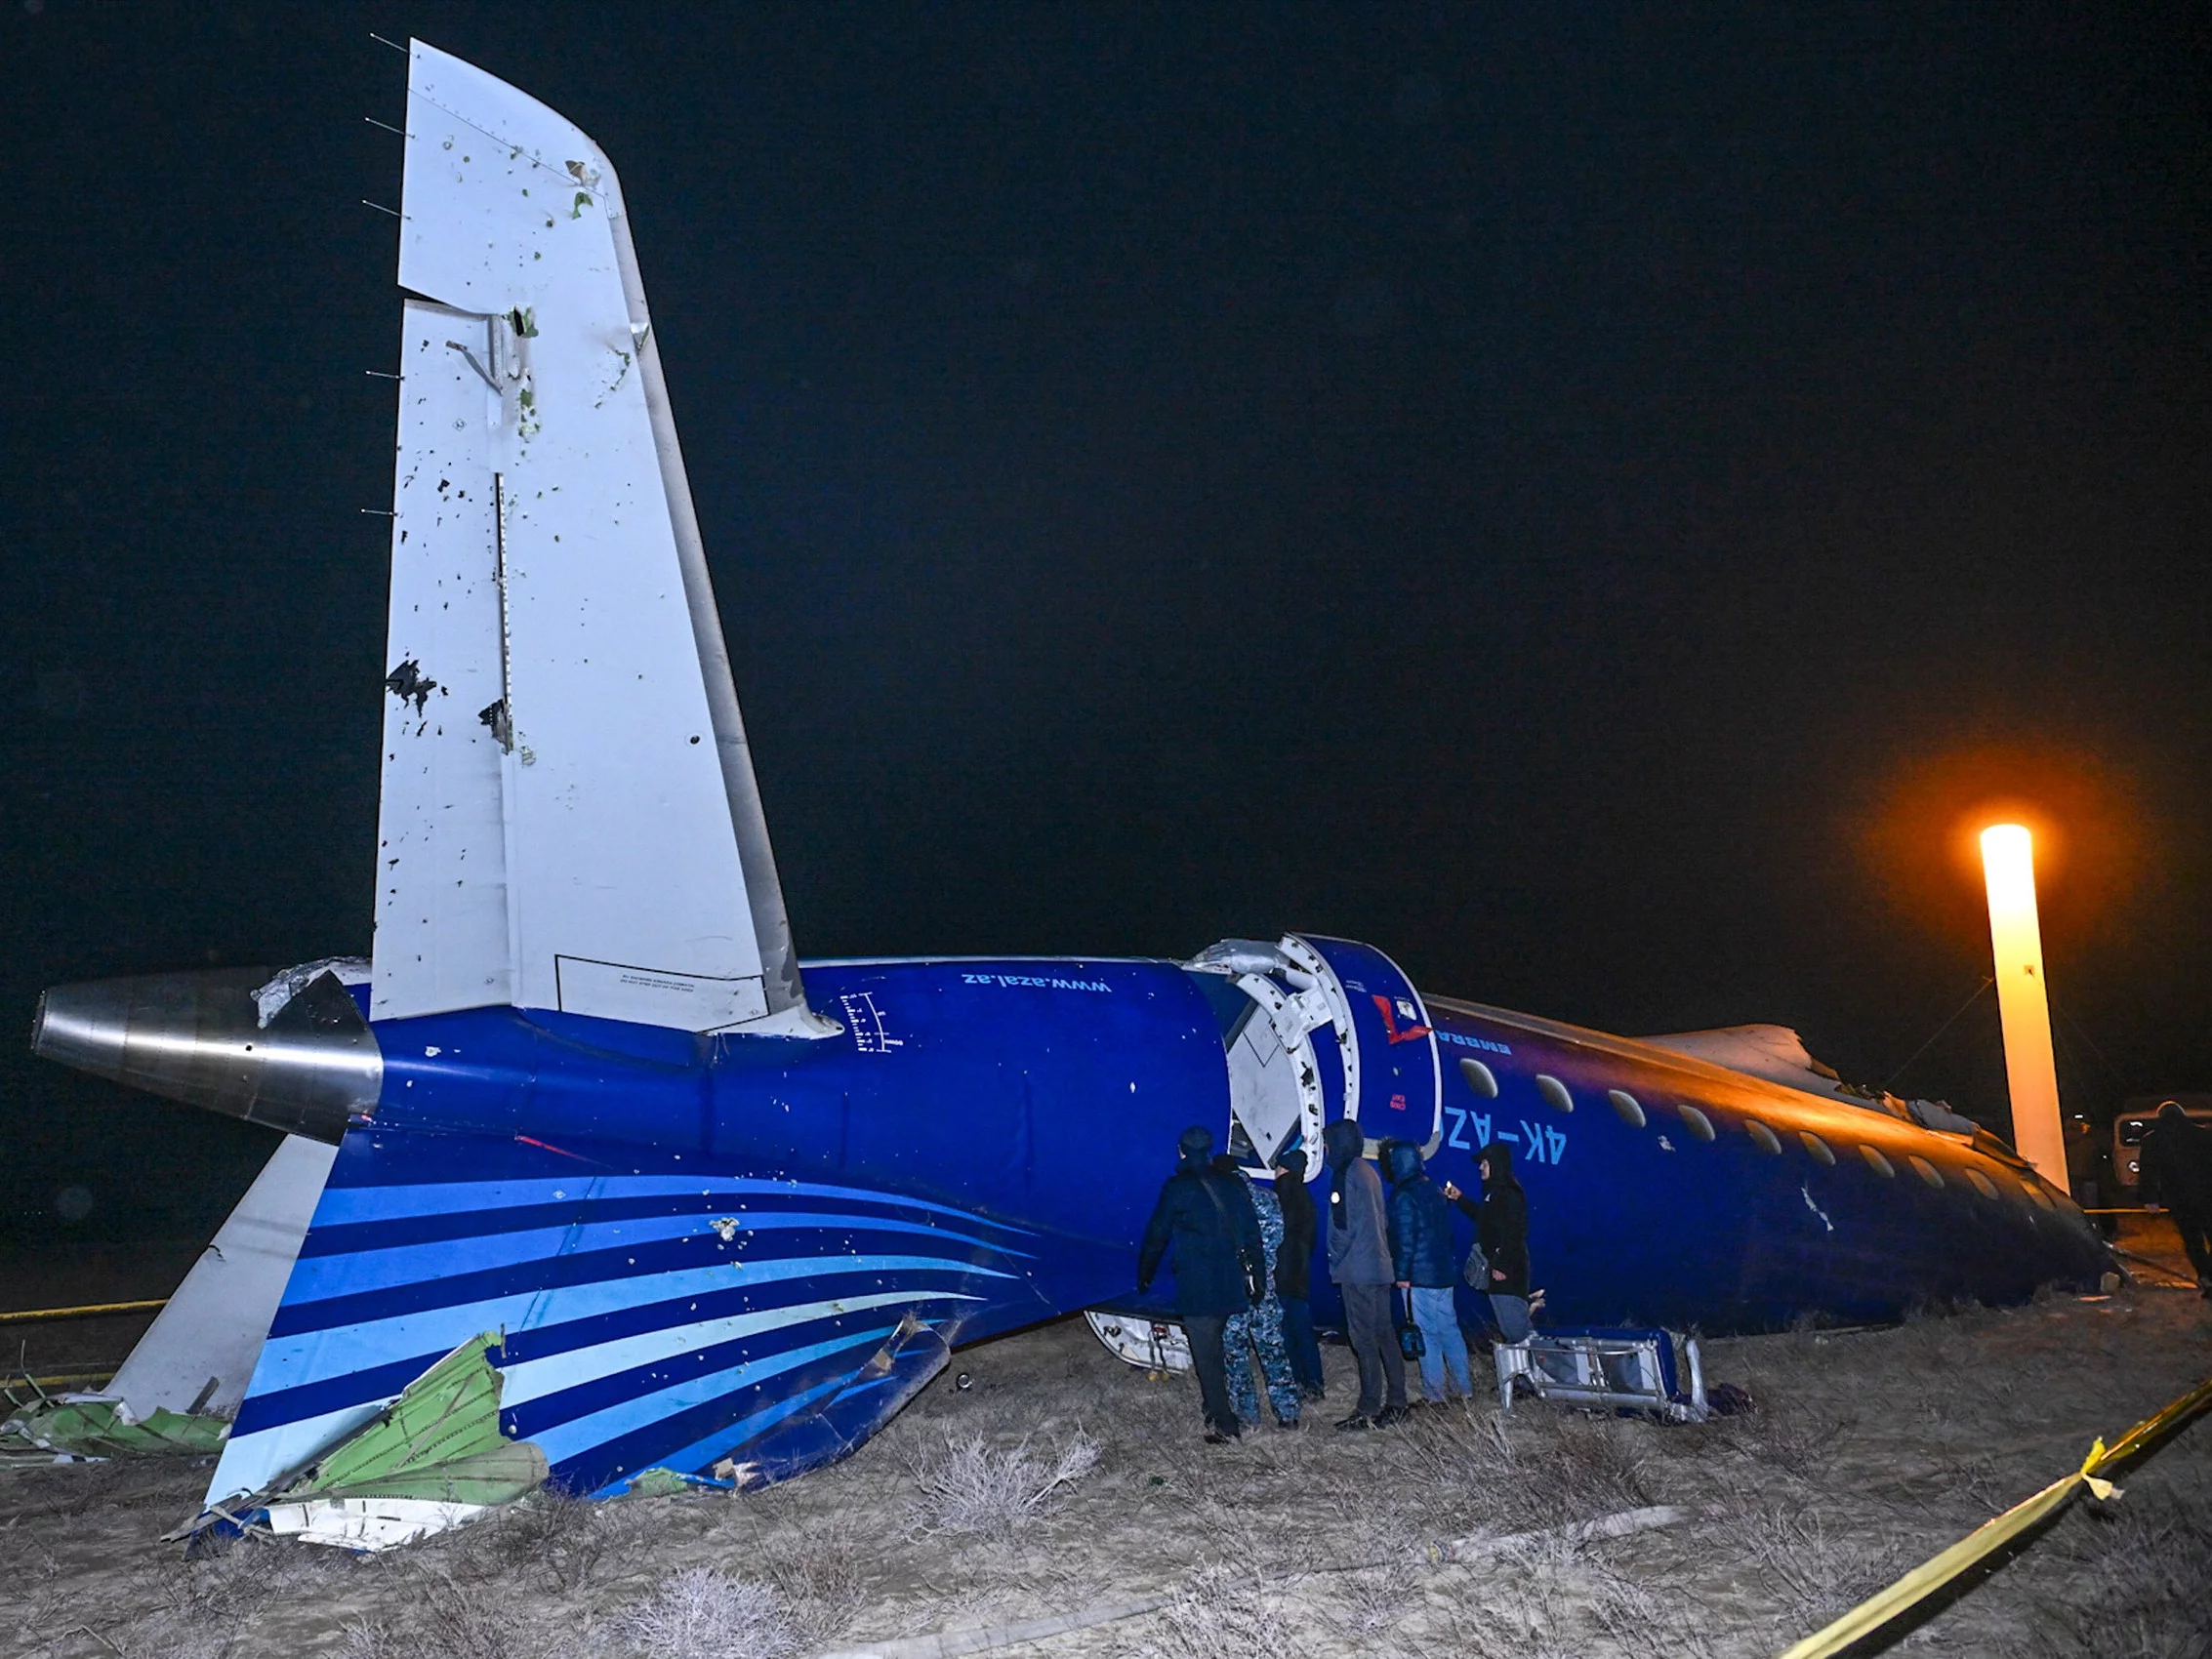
(199, 1038)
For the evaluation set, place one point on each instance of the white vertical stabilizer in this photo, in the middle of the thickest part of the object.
(569, 815)
(199, 1353)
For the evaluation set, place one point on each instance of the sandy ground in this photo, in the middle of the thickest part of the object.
(1868, 1451)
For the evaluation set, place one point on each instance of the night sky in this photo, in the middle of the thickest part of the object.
(1593, 505)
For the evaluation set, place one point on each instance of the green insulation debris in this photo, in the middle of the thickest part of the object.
(441, 1440)
(98, 1428)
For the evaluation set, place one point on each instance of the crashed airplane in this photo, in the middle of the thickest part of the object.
(587, 1179)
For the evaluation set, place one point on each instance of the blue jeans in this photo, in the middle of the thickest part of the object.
(1443, 1344)
(1299, 1338)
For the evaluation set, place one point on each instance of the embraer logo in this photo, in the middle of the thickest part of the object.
(1401, 1010)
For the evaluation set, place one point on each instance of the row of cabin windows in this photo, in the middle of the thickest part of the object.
(1484, 1081)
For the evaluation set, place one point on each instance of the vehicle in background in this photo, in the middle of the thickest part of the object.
(2132, 1120)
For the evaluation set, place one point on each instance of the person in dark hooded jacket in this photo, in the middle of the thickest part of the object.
(1220, 1268)
(1420, 1243)
(1501, 1227)
(1359, 1261)
(2176, 1172)
(1293, 1272)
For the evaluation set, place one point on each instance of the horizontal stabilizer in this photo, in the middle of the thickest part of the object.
(199, 1351)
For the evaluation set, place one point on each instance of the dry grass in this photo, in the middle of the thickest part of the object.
(1221, 1613)
(1063, 1480)
(702, 1613)
(2143, 1562)
(967, 1486)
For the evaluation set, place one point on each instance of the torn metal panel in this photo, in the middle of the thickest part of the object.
(287, 982)
(832, 1429)
(432, 1459)
(367, 1525)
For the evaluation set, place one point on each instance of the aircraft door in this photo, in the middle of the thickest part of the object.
(1393, 1082)
(1281, 1030)
(1315, 1029)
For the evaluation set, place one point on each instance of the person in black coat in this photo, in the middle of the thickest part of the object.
(1220, 1268)
(1293, 1272)
(2176, 1172)
(1501, 1227)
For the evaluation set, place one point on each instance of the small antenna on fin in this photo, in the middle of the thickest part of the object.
(387, 126)
(380, 208)
(394, 43)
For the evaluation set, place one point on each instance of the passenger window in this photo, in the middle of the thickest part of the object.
(1554, 1093)
(1817, 1146)
(1629, 1108)
(1879, 1164)
(1927, 1172)
(1480, 1077)
(1696, 1122)
(1982, 1183)
(1764, 1136)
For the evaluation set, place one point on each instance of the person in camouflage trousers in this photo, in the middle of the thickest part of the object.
(1257, 1333)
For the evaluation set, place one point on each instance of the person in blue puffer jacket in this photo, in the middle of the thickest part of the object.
(1420, 1249)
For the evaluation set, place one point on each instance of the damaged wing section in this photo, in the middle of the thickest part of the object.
(569, 815)
(648, 1317)
(1778, 1055)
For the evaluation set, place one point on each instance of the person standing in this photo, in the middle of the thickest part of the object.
(1256, 1333)
(1420, 1248)
(1293, 1273)
(1359, 1261)
(2176, 1172)
(1215, 1239)
(1501, 1227)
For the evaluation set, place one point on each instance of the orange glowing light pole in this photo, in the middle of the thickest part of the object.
(2023, 1007)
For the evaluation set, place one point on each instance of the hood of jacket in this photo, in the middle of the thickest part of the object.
(1403, 1161)
(1500, 1157)
(1343, 1144)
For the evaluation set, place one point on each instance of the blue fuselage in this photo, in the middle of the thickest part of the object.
(1048, 1096)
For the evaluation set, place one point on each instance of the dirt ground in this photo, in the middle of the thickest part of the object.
(1868, 1451)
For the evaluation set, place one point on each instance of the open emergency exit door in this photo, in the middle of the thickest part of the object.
(1327, 1029)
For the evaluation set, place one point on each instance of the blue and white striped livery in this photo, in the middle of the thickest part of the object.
(717, 1212)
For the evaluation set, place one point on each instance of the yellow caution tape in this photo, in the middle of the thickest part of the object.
(94, 1310)
(1923, 1581)
(67, 1378)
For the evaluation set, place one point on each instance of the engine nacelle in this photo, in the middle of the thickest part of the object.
(201, 1039)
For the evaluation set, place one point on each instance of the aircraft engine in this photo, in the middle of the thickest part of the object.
(228, 1039)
